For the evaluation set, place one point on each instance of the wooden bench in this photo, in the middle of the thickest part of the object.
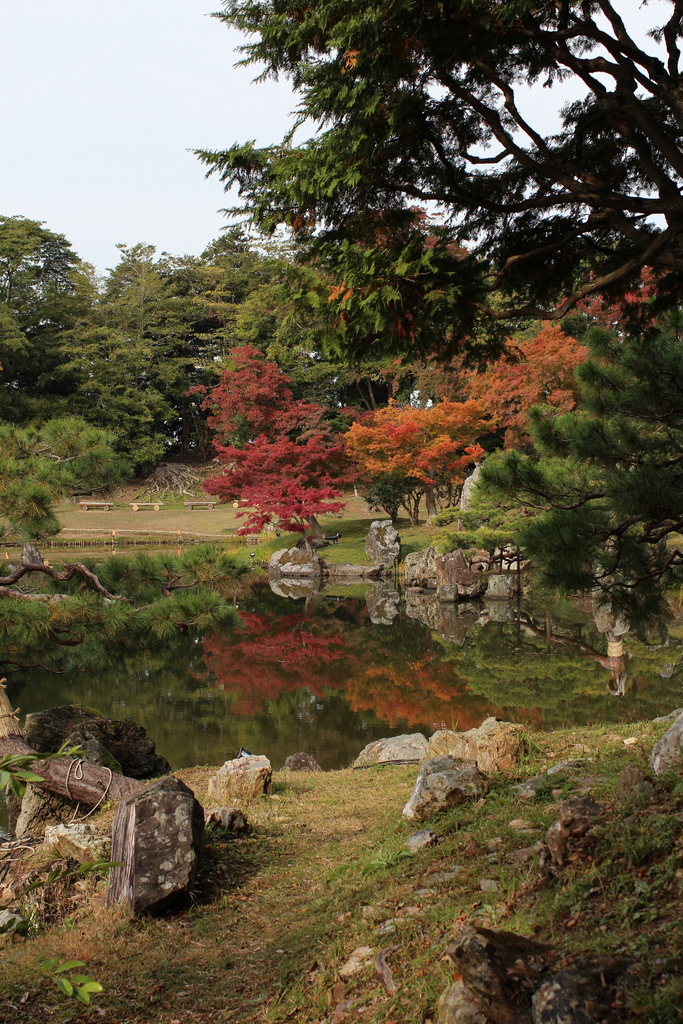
(199, 504)
(136, 505)
(104, 505)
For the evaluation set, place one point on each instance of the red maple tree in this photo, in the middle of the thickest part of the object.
(278, 457)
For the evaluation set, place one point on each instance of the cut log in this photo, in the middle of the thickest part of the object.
(69, 777)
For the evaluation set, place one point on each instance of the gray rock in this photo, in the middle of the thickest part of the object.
(495, 746)
(123, 746)
(30, 555)
(241, 779)
(382, 602)
(576, 818)
(668, 751)
(457, 1005)
(446, 743)
(78, 841)
(157, 834)
(353, 572)
(671, 717)
(530, 788)
(438, 878)
(420, 569)
(566, 766)
(582, 993)
(40, 809)
(455, 579)
(488, 885)
(634, 786)
(405, 749)
(295, 562)
(383, 545)
(444, 782)
(418, 841)
(468, 488)
(230, 819)
(301, 762)
(500, 586)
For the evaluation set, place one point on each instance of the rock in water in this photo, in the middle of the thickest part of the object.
(444, 782)
(455, 578)
(668, 751)
(382, 602)
(301, 762)
(457, 1005)
(157, 834)
(243, 778)
(421, 569)
(501, 586)
(468, 488)
(122, 746)
(295, 562)
(79, 841)
(395, 750)
(383, 546)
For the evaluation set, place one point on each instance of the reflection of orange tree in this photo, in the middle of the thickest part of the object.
(424, 692)
(270, 656)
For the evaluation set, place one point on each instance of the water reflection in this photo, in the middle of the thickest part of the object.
(328, 668)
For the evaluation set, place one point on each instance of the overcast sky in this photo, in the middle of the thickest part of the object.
(100, 101)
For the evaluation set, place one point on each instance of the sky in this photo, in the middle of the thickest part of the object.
(101, 101)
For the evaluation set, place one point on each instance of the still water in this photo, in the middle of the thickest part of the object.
(327, 672)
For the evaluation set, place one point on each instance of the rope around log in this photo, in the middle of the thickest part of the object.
(78, 775)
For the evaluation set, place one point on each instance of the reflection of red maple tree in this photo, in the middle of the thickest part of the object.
(273, 656)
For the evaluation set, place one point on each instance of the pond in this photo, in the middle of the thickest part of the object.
(328, 671)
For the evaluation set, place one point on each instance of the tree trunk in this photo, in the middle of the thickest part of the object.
(68, 777)
(430, 502)
(316, 528)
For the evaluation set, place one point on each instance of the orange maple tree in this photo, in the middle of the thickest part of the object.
(535, 372)
(435, 446)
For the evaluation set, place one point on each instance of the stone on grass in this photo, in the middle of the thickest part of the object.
(418, 841)
(10, 922)
(671, 717)
(406, 749)
(241, 779)
(444, 782)
(40, 809)
(488, 885)
(634, 786)
(301, 762)
(157, 835)
(230, 819)
(123, 746)
(576, 818)
(492, 965)
(79, 841)
(495, 746)
(359, 959)
(446, 743)
(383, 546)
(582, 993)
(295, 562)
(457, 1005)
(469, 487)
(668, 751)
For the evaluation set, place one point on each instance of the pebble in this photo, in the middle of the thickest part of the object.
(630, 741)
(488, 885)
(418, 841)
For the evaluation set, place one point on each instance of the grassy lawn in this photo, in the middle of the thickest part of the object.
(278, 912)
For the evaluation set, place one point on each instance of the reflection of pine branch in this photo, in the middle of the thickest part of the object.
(24, 666)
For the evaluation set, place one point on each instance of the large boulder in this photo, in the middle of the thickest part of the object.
(394, 750)
(493, 965)
(495, 746)
(78, 841)
(383, 545)
(444, 782)
(123, 746)
(457, 1005)
(455, 578)
(582, 993)
(500, 586)
(382, 602)
(421, 569)
(157, 834)
(40, 809)
(668, 751)
(468, 488)
(295, 562)
(241, 779)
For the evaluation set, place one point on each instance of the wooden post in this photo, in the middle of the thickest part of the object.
(69, 777)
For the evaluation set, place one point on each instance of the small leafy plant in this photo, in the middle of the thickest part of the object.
(82, 986)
